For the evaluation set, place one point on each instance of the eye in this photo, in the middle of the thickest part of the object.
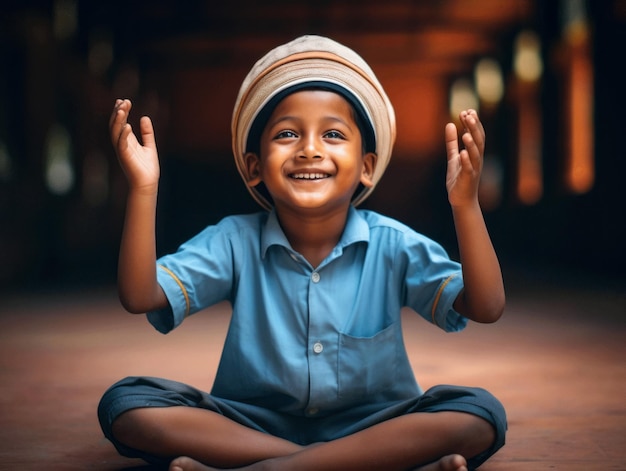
(334, 134)
(286, 134)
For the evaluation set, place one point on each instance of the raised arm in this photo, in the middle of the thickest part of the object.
(483, 298)
(137, 284)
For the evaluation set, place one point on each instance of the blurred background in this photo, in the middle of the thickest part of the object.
(546, 78)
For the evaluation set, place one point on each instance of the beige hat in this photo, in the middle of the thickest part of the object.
(319, 62)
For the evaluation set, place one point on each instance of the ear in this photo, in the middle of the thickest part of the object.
(253, 166)
(369, 165)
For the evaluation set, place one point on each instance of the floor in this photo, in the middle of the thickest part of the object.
(556, 360)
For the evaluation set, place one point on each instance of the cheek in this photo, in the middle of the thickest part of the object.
(270, 167)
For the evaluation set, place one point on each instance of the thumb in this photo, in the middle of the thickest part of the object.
(147, 132)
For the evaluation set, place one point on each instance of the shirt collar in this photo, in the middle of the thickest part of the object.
(357, 230)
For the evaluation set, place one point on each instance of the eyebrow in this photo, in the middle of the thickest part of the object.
(325, 118)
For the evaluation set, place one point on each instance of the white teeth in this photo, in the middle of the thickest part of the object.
(309, 176)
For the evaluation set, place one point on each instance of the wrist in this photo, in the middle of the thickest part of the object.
(466, 206)
(149, 191)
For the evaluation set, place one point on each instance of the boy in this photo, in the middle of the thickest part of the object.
(314, 374)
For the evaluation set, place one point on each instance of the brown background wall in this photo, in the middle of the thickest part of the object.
(182, 65)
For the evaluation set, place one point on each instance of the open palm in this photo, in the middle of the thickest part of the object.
(464, 165)
(139, 161)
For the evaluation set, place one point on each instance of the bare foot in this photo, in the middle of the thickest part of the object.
(447, 463)
(187, 464)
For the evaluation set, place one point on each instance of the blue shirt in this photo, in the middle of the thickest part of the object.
(310, 341)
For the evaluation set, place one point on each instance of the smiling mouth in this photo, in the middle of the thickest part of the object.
(309, 176)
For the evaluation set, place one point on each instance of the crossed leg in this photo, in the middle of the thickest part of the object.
(437, 441)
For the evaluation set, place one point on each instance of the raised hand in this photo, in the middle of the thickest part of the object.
(464, 165)
(139, 162)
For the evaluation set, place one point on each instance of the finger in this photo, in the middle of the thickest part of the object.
(472, 150)
(479, 124)
(452, 141)
(478, 131)
(147, 132)
(118, 102)
(124, 105)
(126, 134)
(474, 126)
(474, 138)
(119, 118)
(115, 126)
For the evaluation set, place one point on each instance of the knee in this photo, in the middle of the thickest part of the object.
(475, 435)
(484, 432)
(113, 407)
(486, 439)
(106, 410)
(126, 426)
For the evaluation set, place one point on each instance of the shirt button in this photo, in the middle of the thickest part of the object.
(312, 410)
(315, 277)
(318, 347)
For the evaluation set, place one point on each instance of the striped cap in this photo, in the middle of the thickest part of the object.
(319, 62)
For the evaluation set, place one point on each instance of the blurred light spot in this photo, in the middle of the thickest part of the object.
(578, 86)
(100, 55)
(530, 182)
(529, 188)
(6, 166)
(65, 18)
(95, 179)
(489, 82)
(580, 171)
(573, 17)
(462, 97)
(490, 189)
(527, 61)
(59, 171)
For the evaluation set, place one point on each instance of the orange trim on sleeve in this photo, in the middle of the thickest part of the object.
(436, 303)
(182, 287)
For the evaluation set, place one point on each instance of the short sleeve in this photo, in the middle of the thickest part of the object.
(201, 272)
(432, 281)
(167, 319)
(442, 312)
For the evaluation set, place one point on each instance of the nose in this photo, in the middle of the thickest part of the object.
(311, 148)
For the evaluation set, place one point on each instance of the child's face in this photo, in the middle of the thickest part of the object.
(311, 153)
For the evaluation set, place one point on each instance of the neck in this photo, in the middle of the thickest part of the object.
(313, 236)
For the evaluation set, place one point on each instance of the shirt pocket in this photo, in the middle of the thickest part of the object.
(367, 366)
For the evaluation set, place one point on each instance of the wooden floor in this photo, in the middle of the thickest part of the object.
(557, 360)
